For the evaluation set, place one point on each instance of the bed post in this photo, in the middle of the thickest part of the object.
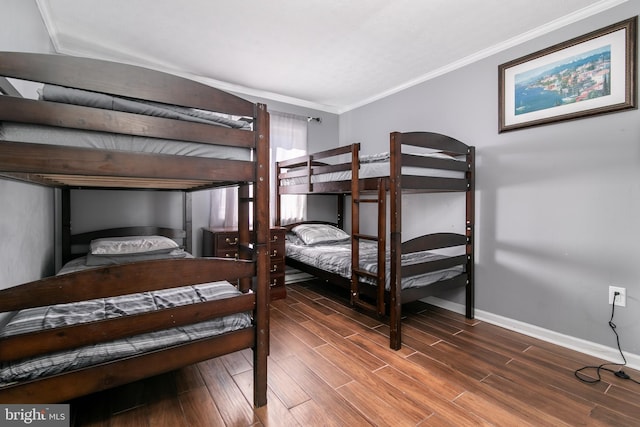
(188, 222)
(65, 217)
(244, 235)
(395, 193)
(470, 228)
(261, 229)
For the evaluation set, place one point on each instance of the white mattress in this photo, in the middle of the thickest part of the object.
(375, 166)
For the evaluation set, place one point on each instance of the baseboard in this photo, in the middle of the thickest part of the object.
(593, 349)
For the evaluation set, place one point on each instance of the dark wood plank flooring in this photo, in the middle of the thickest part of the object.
(331, 366)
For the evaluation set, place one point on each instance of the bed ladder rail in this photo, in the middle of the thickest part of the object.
(379, 277)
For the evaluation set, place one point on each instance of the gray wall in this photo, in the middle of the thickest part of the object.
(557, 205)
(26, 221)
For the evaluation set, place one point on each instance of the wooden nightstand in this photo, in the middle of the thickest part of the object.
(223, 243)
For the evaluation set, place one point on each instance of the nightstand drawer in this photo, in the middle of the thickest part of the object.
(224, 243)
(276, 281)
(233, 253)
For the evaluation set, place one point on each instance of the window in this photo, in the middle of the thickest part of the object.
(288, 139)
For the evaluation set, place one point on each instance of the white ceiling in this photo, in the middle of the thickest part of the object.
(331, 55)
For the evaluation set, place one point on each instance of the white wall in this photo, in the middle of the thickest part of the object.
(26, 212)
(557, 205)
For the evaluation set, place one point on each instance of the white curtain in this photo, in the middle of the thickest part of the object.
(288, 139)
(223, 207)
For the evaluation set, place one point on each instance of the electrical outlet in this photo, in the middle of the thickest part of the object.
(621, 298)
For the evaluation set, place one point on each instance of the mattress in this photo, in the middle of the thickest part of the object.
(336, 258)
(39, 318)
(20, 132)
(65, 95)
(378, 165)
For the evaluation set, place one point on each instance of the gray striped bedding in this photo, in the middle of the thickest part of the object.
(336, 258)
(105, 308)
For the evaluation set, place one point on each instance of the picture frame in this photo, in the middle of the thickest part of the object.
(588, 75)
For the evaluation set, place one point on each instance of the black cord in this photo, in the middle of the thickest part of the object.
(618, 373)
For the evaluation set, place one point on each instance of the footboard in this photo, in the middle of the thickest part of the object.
(432, 242)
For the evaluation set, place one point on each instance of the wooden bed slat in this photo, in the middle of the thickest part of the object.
(107, 281)
(118, 182)
(66, 386)
(21, 110)
(125, 80)
(433, 241)
(49, 159)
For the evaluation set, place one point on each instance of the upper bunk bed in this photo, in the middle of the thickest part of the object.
(400, 271)
(99, 124)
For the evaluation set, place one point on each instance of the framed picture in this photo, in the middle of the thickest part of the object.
(592, 74)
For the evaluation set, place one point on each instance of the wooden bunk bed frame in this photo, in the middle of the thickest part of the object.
(73, 167)
(307, 169)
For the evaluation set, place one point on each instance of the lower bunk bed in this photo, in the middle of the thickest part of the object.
(429, 264)
(133, 307)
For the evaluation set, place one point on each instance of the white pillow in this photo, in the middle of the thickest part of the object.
(312, 234)
(132, 245)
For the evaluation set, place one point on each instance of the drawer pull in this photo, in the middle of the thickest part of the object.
(228, 255)
(274, 268)
(275, 237)
(275, 253)
(231, 242)
(273, 283)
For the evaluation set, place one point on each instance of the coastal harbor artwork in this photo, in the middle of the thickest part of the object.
(578, 79)
(585, 76)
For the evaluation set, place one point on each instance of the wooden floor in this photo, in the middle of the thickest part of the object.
(331, 366)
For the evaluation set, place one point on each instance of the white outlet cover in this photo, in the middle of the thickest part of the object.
(621, 300)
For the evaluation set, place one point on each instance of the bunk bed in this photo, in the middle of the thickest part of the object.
(104, 125)
(380, 270)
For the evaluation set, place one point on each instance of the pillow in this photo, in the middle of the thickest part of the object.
(293, 238)
(132, 245)
(312, 234)
(98, 260)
